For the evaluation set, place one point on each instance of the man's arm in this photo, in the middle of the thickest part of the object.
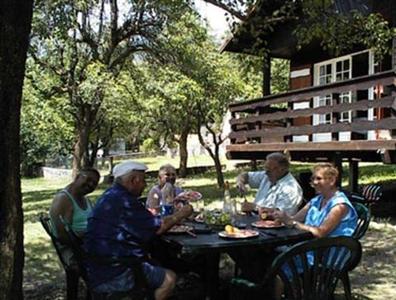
(171, 220)
(61, 206)
(241, 182)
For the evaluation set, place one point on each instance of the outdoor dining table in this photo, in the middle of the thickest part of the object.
(210, 244)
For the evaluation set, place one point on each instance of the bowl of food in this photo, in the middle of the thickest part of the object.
(216, 219)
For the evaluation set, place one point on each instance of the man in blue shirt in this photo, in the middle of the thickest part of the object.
(121, 226)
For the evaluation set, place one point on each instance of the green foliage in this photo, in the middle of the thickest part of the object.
(149, 145)
(44, 131)
(86, 48)
(196, 85)
(339, 33)
(317, 20)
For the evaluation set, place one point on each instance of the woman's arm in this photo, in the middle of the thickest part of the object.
(61, 206)
(330, 223)
(288, 220)
(300, 215)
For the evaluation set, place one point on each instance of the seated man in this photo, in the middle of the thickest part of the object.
(121, 226)
(165, 187)
(72, 205)
(277, 187)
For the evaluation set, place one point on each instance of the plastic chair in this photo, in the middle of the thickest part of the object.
(72, 272)
(364, 217)
(140, 290)
(372, 193)
(309, 270)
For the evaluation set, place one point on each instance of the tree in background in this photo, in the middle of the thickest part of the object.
(85, 45)
(15, 24)
(193, 90)
(45, 133)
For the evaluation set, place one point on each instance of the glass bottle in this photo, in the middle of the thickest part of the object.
(166, 205)
(167, 193)
(227, 202)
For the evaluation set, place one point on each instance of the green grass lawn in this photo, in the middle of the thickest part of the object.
(41, 262)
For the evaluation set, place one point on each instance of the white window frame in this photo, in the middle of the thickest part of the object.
(346, 97)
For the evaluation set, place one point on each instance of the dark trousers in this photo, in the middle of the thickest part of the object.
(253, 263)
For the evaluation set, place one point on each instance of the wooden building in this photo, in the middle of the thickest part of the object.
(336, 109)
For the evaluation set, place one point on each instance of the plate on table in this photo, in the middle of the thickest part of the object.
(178, 229)
(239, 234)
(190, 195)
(267, 224)
(199, 218)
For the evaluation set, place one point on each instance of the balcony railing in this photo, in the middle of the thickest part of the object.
(273, 123)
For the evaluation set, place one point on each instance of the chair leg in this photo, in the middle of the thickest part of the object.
(72, 284)
(236, 270)
(88, 295)
(347, 285)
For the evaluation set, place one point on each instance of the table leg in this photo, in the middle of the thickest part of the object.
(211, 280)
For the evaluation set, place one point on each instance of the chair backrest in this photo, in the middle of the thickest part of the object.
(372, 192)
(47, 225)
(310, 270)
(364, 217)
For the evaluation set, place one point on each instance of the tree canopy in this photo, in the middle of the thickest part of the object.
(84, 46)
(339, 27)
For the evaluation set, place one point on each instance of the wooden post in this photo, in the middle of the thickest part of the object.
(337, 161)
(111, 164)
(335, 117)
(394, 51)
(253, 165)
(258, 125)
(393, 10)
(267, 75)
(353, 175)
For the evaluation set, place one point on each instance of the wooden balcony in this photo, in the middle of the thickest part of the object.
(274, 123)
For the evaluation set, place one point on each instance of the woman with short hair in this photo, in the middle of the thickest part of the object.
(330, 213)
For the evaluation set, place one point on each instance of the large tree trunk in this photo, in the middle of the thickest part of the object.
(219, 171)
(15, 22)
(80, 149)
(183, 153)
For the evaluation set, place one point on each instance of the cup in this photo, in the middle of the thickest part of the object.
(198, 205)
(166, 210)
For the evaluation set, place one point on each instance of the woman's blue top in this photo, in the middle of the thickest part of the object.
(316, 216)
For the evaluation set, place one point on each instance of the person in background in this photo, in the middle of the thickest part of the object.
(121, 226)
(277, 188)
(72, 205)
(165, 188)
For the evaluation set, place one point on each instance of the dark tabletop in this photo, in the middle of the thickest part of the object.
(211, 241)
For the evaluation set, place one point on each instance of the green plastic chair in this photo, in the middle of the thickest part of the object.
(309, 270)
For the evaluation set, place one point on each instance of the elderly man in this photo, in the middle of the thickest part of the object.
(277, 188)
(120, 225)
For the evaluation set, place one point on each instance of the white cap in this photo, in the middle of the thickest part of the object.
(128, 166)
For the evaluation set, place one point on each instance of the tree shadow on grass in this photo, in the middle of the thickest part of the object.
(42, 261)
(375, 275)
